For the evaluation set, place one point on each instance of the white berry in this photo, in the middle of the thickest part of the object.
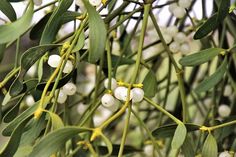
(121, 93)
(37, 2)
(113, 83)
(80, 3)
(61, 97)
(69, 88)
(108, 100)
(172, 30)
(29, 100)
(137, 94)
(68, 67)
(174, 47)
(228, 90)
(180, 37)
(32, 70)
(179, 12)
(167, 38)
(54, 61)
(148, 150)
(185, 48)
(224, 110)
(184, 3)
(225, 154)
(172, 7)
(95, 2)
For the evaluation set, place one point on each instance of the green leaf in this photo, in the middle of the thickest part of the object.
(14, 141)
(13, 112)
(97, 34)
(23, 151)
(37, 30)
(53, 24)
(54, 141)
(30, 56)
(30, 111)
(210, 147)
(187, 147)
(200, 57)
(179, 136)
(127, 150)
(223, 10)
(150, 84)
(61, 83)
(108, 144)
(6, 99)
(208, 26)
(56, 120)
(17, 87)
(2, 50)
(212, 80)
(12, 31)
(80, 43)
(8, 10)
(169, 130)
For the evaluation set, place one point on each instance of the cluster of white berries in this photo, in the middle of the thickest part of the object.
(178, 9)
(54, 61)
(95, 3)
(179, 43)
(68, 89)
(120, 93)
(224, 110)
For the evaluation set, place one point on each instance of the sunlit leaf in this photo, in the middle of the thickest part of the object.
(179, 136)
(210, 147)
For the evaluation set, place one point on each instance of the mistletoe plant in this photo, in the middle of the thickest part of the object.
(119, 83)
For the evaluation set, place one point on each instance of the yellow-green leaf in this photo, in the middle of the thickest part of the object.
(179, 136)
(210, 148)
(150, 84)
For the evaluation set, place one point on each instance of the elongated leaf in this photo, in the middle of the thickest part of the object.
(61, 83)
(10, 115)
(179, 136)
(54, 141)
(210, 147)
(14, 141)
(56, 120)
(2, 50)
(33, 54)
(127, 150)
(212, 80)
(6, 99)
(208, 26)
(37, 30)
(187, 147)
(150, 84)
(97, 34)
(12, 31)
(80, 43)
(8, 10)
(23, 151)
(169, 130)
(108, 144)
(53, 23)
(200, 57)
(30, 111)
(17, 87)
(223, 10)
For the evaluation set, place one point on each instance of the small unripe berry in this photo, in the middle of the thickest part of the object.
(113, 83)
(54, 60)
(137, 94)
(174, 47)
(172, 30)
(179, 12)
(95, 2)
(184, 3)
(29, 100)
(185, 48)
(172, 7)
(167, 38)
(180, 37)
(69, 88)
(107, 100)
(225, 154)
(68, 67)
(61, 97)
(224, 110)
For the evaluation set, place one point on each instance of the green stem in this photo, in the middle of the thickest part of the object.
(17, 52)
(141, 39)
(163, 110)
(125, 132)
(179, 72)
(9, 76)
(109, 63)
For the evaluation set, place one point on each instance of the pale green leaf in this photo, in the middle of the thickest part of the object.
(210, 148)
(179, 136)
